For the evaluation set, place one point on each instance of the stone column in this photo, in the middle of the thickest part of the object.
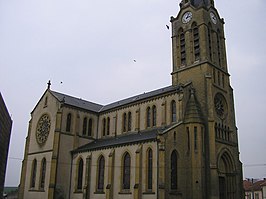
(138, 174)
(87, 185)
(161, 169)
(110, 180)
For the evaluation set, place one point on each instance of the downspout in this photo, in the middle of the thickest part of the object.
(157, 186)
(70, 181)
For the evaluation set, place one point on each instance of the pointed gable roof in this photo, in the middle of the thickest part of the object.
(193, 111)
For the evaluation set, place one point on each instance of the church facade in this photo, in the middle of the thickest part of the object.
(179, 141)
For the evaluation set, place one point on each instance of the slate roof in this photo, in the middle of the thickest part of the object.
(199, 3)
(76, 102)
(124, 139)
(80, 103)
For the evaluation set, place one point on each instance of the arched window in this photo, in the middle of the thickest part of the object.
(196, 42)
(45, 101)
(126, 171)
(124, 122)
(90, 127)
(104, 126)
(68, 123)
(149, 169)
(210, 41)
(174, 170)
(42, 173)
(108, 126)
(219, 47)
(129, 121)
(84, 132)
(154, 116)
(33, 173)
(148, 119)
(173, 111)
(80, 174)
(101, 173)
(182, 44)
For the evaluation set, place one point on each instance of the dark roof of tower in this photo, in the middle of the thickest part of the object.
(197, 3)
(200, 3)
(193, 111)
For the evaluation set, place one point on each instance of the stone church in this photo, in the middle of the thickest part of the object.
(180, 141)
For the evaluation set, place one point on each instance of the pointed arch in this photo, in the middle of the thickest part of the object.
(196, 41)
(33, 173)
(100, 173)
(182, 44)
(218, 36)
(104, 126)
(149, 168)
(108, 126)
(173, 111)
(210, 41)
(68, 122)
(154, 115)
(80, 174)
(124, 122)
(174, 177)
(227, 174)
(126, 169)
(90, 127)
(129, 121)
(42, 173)
(148, 117)
(84, 129)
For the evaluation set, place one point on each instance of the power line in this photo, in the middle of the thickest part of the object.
(66, 163)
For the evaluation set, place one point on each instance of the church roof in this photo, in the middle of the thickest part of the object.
(77, 102)
(124, 139)
(87, 105)
(141, 97)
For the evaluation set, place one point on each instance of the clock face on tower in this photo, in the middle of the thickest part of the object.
(213, 18)
(43, 129)
(187, 17)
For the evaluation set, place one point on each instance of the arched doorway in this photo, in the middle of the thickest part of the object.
(227, 176)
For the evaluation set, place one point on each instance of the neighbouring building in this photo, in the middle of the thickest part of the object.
(255, 189)
(5, 132)
(180, 141)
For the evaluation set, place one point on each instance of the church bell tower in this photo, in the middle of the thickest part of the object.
(199, 59)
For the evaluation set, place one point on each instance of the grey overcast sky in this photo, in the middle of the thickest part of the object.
(90, 46)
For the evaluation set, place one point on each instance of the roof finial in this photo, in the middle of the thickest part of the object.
(49, 84)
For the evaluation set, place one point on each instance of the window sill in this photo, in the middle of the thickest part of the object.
(148, 192)
(175, 192)
(78, 191)
(125, 191)
(36, 190)
(99, 192)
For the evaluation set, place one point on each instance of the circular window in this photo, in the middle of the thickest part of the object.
(43, 129)
(220, 105)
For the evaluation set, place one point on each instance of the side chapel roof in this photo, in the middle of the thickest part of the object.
(123, 139)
